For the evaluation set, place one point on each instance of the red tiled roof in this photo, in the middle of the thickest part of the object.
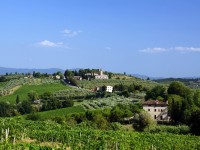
(154, 102)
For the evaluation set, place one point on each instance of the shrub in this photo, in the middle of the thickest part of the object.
(142, 120)
(33, 116)
(195, 123)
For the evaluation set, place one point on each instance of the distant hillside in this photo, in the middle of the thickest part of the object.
(24, 70)
(190, 82)
(145, 77)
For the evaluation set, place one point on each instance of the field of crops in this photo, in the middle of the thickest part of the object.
(66, 137)
(93, 83)
(40, 89)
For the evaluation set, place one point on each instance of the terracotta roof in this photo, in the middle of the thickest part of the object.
(154, 102)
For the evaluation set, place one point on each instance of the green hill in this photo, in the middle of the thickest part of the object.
(40, 89)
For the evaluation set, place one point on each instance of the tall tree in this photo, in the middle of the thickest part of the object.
(17, 99)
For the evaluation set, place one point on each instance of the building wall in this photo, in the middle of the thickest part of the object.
(157, 112)
(101, 77)
(109, 89)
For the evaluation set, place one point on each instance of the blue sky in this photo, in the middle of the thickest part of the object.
(155, 38)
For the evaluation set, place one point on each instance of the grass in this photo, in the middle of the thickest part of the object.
(40, 89)
(61, 112)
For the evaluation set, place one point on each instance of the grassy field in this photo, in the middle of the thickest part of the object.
(40, 89)
(61, 112)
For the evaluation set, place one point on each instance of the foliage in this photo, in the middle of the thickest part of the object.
(179, 129)
(197, 98)
(195, 123)
(156, 92)
(142, 120)
(33, 116)
(180, 89)
(25, 107)
(138, 83)
(78, 137)
(182, 103)
(5, 109)
(32, 95)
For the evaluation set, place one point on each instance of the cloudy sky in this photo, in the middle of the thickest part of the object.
(154, 38)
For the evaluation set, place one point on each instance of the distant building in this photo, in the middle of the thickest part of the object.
(109, 89)
(78, 78)
(57, 77)
(101, 75)
(157, 109)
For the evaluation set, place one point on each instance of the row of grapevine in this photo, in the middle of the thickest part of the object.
(86, 138)
(10, 86)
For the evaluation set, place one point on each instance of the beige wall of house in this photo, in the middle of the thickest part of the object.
(157, 112)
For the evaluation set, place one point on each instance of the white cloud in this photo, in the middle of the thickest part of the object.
(70, 33)
(47, 43)
(178, 49)
(154, 50)
(187, 49)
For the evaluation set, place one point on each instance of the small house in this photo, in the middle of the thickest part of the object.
(157, 109)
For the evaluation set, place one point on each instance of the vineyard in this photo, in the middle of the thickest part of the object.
(17, 133)
(10, 86)
(40, 89)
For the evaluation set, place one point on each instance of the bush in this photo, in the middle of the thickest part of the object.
(181, 129)
(142, 120)
(33, 117)
(59, 120)
(195, 123)
(115, 126)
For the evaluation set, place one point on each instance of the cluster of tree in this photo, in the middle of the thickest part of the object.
(125, 90)
(130, 88)
(56, 104)
(8, 110)
(48, 102)
(158, 92)
(102, 119)
(3, 79)
(40, 75)
(84, 73)
(184, 103)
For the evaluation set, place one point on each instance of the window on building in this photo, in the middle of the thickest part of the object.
(158, 110)
(161, 110)
(161, 117)
(148, 109)
(154, 110)
(154, 116)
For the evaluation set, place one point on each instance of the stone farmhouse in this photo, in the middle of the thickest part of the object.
(157, 109)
